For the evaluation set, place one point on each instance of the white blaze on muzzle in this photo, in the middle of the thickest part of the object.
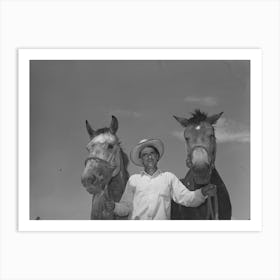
(200, 156)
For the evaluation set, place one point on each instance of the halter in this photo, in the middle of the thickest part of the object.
(109, 162)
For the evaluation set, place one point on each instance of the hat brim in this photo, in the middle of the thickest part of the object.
(134, 155)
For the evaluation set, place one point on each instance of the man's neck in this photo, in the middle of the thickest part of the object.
(151, 171)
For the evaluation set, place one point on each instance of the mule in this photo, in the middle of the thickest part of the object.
(199, 134)
(105, 174)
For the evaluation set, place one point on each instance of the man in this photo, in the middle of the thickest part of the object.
(148, 195)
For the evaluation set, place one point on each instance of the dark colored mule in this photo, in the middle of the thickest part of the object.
(105, 174)
(200, 140)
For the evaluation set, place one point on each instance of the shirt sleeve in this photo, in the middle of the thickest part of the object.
(182, 195)
(125, 205)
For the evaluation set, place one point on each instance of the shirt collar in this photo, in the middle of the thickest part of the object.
(143, 173)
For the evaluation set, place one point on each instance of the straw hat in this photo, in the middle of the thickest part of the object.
(135, 153)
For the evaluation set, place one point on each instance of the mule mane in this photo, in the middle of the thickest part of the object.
(121, 179)
(197, 117)
(125, 159)
(125, 165)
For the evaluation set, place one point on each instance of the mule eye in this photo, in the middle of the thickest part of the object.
(110, 146)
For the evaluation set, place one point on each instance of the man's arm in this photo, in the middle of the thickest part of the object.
(181, 195)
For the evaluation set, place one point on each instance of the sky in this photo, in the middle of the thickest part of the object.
(143, 95)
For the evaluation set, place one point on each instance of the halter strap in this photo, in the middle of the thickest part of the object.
(212, 210)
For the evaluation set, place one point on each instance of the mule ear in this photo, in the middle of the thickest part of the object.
(183, 121)
(213, 119)
(90, 130)
(114, 125)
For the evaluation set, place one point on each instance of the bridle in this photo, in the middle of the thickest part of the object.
(109, 162)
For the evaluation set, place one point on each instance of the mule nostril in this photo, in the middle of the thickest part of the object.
(89, 181)
(92, 179)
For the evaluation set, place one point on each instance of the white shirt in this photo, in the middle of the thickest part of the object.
(149, 197)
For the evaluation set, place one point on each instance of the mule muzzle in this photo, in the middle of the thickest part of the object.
(200, 164)
(97, 174)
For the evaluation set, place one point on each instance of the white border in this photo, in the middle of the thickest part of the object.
(254, 55)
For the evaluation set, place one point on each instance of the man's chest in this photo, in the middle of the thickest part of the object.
(148, 186)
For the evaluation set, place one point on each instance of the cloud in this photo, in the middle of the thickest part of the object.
(226, 131)
(231, 131)
(126, 113)
(207, 101)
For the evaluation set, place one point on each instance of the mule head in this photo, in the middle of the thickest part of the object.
(103, 161)
(200, 140)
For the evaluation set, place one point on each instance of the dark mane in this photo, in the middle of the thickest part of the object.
(115, 180)
(125, 162)
(197, 117)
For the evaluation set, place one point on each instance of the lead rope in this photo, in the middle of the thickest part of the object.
(212, 207)
(107, 215)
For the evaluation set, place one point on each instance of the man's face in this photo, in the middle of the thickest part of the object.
(149, 157)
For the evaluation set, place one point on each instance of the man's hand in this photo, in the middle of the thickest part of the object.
(110, 205)
(209, 190)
